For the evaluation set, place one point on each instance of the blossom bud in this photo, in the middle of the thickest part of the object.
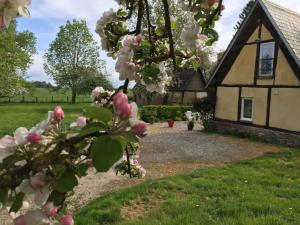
(81, 121)
(66, 220)
(139, 39)
(125, 111)
(211, 2)
(34, 138)
(20, 220)
(119, 99)
(37, 181)
(222, 7)
(50, 209)
(58, 113)
(140, 129)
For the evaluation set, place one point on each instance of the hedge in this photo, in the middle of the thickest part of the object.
(153, 113)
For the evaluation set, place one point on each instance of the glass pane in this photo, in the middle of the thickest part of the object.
(267, 51)
(247, 109)
(266, 67)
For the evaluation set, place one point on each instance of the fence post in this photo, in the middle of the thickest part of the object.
(36, 99)
(67, 99)
(52, 99)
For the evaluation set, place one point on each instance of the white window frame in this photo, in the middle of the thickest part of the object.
(260, 58)
(242, 110)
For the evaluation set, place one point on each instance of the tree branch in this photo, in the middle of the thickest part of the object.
(138, 28)
(169, 31)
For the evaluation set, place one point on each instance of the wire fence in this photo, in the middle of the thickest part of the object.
(44, 99)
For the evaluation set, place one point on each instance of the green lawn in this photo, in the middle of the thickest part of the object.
(16, 115)
(265, 191)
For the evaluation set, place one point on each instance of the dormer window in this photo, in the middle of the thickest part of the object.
(266, 59)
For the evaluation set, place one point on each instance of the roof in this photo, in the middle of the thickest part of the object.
(184, 79)
(286, 23)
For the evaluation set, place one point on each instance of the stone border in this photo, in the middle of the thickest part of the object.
(261, 134)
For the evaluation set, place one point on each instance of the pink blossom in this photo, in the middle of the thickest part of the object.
(50, 209)
(66, 220)
(119, 99)
(81, 121)
(222, 7)
(139, 39)
(20, 220)
(37, 181)
(124, 111)
(140, 129)
(34, 138)
(58, 113)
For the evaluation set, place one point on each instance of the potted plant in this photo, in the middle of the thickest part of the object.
(191, 117)
(171, 123)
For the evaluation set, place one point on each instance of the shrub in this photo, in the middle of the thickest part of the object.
(159, 113)
(205, 107)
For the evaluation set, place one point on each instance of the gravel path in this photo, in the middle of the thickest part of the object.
(167, 152)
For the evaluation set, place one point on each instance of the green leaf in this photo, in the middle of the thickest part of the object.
(105, 153)
(173, 25)
(57, 198)
(3, 196)
(130, 137)
(11, 160)
(101, 114)
(66, 181)
(16, 206)
(92, 128)
(81, 170)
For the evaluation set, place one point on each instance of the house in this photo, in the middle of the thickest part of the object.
(257, 82)
(188, 86)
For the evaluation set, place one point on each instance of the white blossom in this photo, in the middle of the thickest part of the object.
(192, 37)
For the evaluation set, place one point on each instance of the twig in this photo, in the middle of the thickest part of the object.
(128, 162)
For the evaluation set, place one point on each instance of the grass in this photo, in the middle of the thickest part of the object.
(265, 191)
(16, 115)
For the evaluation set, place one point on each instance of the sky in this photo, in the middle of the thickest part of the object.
(48, 15)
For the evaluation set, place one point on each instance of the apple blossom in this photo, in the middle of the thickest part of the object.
(43, 126)
(50, 209)
(66, 220)
(192, 37)
(58, 113)
(36, 188)
(34, 138)
(20, 136)
(140, 129)
(80, 122)
(33, 217)
(119, 99)
(7, 147)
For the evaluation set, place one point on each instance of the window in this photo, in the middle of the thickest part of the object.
(246, 112)
(266, 59)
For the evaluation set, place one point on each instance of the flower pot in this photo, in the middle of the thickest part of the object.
(171, 123)
(190, 126)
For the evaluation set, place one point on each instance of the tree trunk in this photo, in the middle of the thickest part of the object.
(74, 94)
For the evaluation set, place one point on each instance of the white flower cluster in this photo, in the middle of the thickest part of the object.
(10, 9)
(192, 116)
(107, 17)
(162, 83)
(100, 96)
(192, 37)
(125, 65)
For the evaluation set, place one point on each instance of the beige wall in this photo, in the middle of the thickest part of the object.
(227, 103)
(242, 70)
(285, 109)
(176, 97)
(265, 34)
(260, 102)
(189, 97)
(194, 84)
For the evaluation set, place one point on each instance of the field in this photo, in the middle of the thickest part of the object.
(16, 115)
(265, 191)
(42, 95)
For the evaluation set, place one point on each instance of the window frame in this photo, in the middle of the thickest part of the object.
(269, 75)
(243, 118)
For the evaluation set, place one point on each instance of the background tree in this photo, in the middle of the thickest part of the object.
(72, 56)
(16, 51)
(244, 14)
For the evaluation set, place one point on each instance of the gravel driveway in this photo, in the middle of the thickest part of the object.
(167, 152)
